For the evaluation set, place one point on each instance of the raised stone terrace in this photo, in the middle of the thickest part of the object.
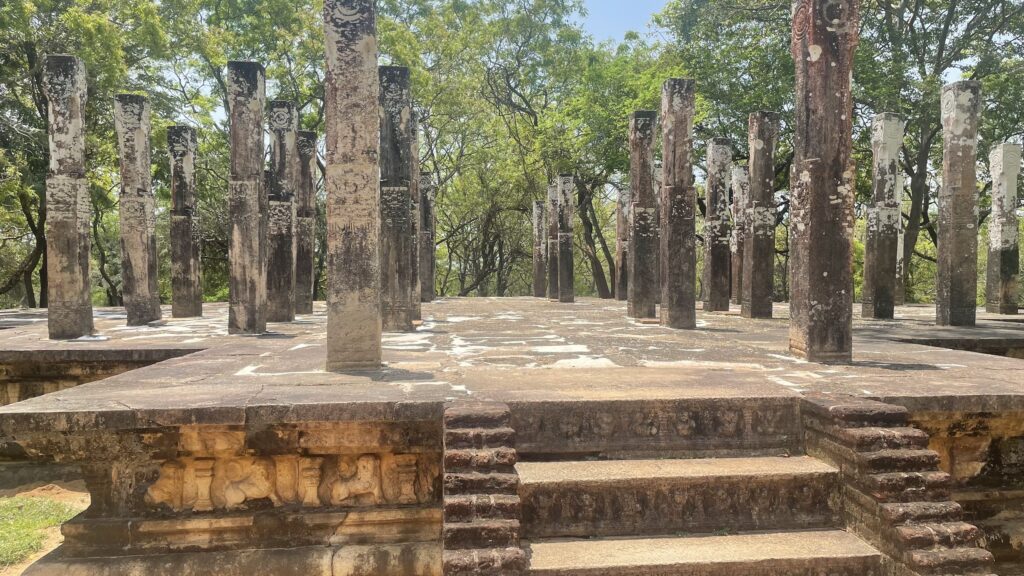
(715, 447)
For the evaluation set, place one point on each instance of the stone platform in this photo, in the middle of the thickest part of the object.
(242, 446)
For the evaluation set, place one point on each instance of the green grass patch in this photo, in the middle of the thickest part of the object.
(22, 525)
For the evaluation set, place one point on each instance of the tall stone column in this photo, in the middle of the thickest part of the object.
(539, 242)
(821, 229)
(759, 243)
(305, 222)
(395, 203)
(284, 165)
(137, 211)
(426, 247)
(552, 244)
(414, 221)
(68, 207)
(566, 216)
(740, 185)
(247, 200)
(352, 103)
(878, 298)
(678, 206)
(622, 245)
(186, 242)
(1001, 287)
(716, 227)
(643, 236)
(956, 279)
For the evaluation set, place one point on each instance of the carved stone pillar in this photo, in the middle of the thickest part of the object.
(622, 245)
(186, 242)
(956, 279)
(821, 229)
(759, 244)
(68, 207)
(539, 241)
(1001, 287)
(247, 200)
(284, 165)
(426, 246)
(416, 218)
(678, 206)
(137, 211)
(643, 253)
(396, 205)
(740, 186)
(305, 223)
(566, 215)
(883, 226)
(352, 102)
(716, 227)
(552, 243)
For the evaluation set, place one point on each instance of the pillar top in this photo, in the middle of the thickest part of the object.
(644, 115)
(770, 114)
(65, 75)
(963, 85)
(888, 116)
(679, 84)
(397, 73)
(566, 175)
(245, 66)
(721, 141)
(136, 99)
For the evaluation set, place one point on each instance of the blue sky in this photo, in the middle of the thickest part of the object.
(613, 18)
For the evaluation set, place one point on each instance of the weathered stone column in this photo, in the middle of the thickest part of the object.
(427, 256)
(566, 215)
(759, 243)
(352, 102)
(247, 200)
(1001, 287)
(552, 244)
(956, 279)
(68, 206)
(643, 236)
(821, 230)
(137, 211)
(716, 227)
(622, 245)
(186, 242)
(415, 219)
(305, 222)
(740, 185)
(539, 242)
(878, 297)
(395, 202)
(284, 165)
(678, 206)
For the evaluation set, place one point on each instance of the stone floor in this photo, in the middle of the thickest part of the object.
(508, 349)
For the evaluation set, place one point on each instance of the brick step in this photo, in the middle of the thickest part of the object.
(898, 461)
(484, 562)
(806, 553)
(482, 458)
(908, 486)
(476, 415)
(921, 512)
(640, 497)
(935, 535)
(467, 508)
(480, 534)
(960, 561)
(478, 438)
(696, 427)
(873, 439)
(487, 482)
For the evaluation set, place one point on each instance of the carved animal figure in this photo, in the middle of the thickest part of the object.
(361, 486)
(240, 480)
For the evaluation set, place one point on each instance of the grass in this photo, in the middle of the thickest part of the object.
(23, 522)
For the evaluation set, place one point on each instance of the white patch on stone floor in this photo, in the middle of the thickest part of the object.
(457, 319)
(792, 359)
(705, 364)
(508, 316)
(300, 346)
(561, 349)
(251, 370)
(585, 361)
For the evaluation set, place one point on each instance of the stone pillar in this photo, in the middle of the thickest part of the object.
(716, 227)
(305, 222)
(284, 165)
(759, 243)
(68, 206)
(395, 203)
(426, 246)
(566, 215)
(352, 102)
(881, 244)
(622, 245)
(678, 206)
(740, 184)
(186, 242)
(643, 236)
(1001, 288)
(137, 211)
(416, 218)
(552, 244)
(899, 296)
(539, 241)
(824, 37)
(956, 279)
(247, 200)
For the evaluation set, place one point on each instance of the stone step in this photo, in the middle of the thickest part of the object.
(478, 438)
(872, 439)
(903, 512)
(490, 482)
(898, 461)
(908, 486)
(638, 497)
(483, 458)
(698, 427)
(805, 553)
(480, 534)
(467, 508)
